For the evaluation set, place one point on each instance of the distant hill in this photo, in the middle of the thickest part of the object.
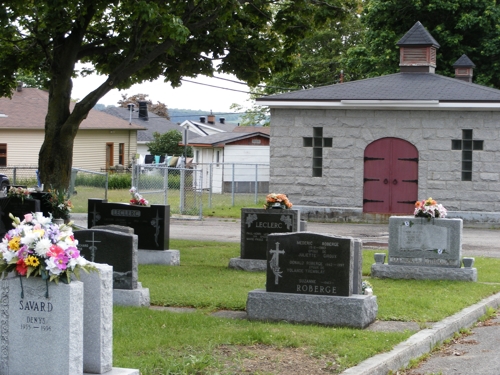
(180, 115)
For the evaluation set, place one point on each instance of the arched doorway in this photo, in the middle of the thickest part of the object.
(390, 184)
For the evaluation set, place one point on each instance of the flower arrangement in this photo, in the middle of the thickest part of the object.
(19, 192)
(37, 247)
(366, 287)
(429, 208)
(137, 199)
(277, 201)
(61, 206)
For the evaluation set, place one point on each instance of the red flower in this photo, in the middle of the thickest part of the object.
(21, 267)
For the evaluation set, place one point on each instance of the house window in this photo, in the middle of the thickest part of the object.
(3, 154)
(121, 156)
(467, 145)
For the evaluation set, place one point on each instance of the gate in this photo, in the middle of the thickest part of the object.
(390, 184)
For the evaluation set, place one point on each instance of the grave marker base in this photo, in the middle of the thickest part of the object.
(389, 271)
(251, 265)
(356, 311)
(136, 297)
(118, 371)
(165, 257)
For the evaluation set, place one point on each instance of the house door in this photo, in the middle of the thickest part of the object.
(109, 155)
(390, 184)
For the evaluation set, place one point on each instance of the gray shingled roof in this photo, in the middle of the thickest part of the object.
(154, 124)
(215, 139)
(399, 86)
(418, 35)
(464, 62)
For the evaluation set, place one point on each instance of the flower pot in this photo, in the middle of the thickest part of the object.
(379, 258)
(468, 262)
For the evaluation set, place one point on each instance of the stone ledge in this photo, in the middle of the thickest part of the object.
(119, 371)
(252, 265)
(356, 311)
(386, 271)
(165, 257)
(131, 297)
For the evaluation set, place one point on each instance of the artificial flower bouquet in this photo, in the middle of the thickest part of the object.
(277, 201)
(37, 247)
(137, 199)
(429, 208)
(19, 192)
(61, 206)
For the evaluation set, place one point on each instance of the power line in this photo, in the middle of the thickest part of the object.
(219, 87)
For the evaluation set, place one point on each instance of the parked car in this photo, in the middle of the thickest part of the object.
(4, 182)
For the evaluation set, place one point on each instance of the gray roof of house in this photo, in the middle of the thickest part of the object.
(418, 35)
(464, 62)
(154, 124)
(226, 127)
(215, 139)
(399, 86)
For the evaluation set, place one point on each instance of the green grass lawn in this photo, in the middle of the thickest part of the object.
(162, 342)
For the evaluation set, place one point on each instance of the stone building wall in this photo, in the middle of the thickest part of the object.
(341, 184)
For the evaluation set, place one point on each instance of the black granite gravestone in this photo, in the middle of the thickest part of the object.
(257, 224)
(310, 263)
(45, 204)
(16, 207)
(150, 223)
(113, 248)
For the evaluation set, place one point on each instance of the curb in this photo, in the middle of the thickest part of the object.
(423, 341)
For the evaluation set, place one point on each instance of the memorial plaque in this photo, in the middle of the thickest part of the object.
(421, 242)
(116, 249)
(257, 224)
(150, 223)
(310, 263)
(16, 207)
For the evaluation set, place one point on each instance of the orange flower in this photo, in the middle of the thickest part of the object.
(418, 204)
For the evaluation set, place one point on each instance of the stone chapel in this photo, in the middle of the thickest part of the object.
(371, 148)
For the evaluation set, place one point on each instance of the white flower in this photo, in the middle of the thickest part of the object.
(41, 219)
(43, 246)
(52, 267)
(8, 255)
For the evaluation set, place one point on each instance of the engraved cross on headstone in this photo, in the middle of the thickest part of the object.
(317, 142)
(467, 144)
(92, 247)
(274, 262)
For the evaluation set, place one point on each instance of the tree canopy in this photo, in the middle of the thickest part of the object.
(131, 41)
(459, 26)
(168, 144)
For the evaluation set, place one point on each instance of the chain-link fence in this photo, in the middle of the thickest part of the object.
(177, 187)
(22, 175)
(213, 185)
(87, 184)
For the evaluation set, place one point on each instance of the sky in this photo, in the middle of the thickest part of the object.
(188, 96)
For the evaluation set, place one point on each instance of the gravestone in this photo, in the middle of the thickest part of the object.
(310, 279)
(424, 249)
(256, 225)
(116, 249)
(116, 246)
(16, 207)
(41, 335)
(45, 205)
(150, 223)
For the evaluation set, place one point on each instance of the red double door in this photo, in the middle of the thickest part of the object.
(390, 177)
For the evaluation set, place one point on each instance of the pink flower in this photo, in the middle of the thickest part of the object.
(28, 218)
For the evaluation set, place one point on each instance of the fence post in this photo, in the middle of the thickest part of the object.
(210, 185)
(14, 173)
(165, 185)
(106, 188)
(183, 176)
(72, 182)
(256, 181)
(232, 187)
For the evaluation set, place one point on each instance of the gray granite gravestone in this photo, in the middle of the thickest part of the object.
(16, 207)
(117, 248)
(424, 249)
(256, 225)
(310, 280)
(51, 329)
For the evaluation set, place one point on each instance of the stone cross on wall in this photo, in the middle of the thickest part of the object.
(467, 144)
(317, 142)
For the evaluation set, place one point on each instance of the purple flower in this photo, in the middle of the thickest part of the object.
(61, 261)
(23, 252)
(72, 252)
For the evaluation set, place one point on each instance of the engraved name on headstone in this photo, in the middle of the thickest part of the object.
(310, 263)
(257, 224)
